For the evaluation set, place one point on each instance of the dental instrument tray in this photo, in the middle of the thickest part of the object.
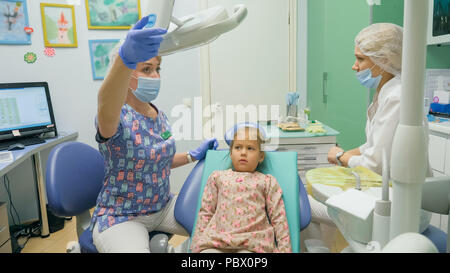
(290, 127)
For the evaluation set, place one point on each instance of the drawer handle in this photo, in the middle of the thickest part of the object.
(309, 148)
(324, 87)
(308, 158)
(2, 229)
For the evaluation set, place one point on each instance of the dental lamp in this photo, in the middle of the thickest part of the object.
(193, 30)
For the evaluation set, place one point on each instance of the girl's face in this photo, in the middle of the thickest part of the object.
(245, 153)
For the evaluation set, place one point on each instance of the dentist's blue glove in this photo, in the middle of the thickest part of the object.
(200, 152)
(141, 44)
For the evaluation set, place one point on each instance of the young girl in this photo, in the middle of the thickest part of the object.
(242, 210)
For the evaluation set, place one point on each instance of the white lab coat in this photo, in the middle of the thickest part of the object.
(383, 116)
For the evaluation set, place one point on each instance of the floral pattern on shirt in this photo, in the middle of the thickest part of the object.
(242, 210)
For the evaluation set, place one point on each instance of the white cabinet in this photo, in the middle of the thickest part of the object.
(439, 153)
(439, 148)
(447, 157)
(310, 156)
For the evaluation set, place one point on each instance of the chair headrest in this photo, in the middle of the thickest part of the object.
(229, 134)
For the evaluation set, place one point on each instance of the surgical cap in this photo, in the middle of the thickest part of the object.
(382, 43)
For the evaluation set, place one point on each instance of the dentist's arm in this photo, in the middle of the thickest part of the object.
(111, 98)
(140, 45)
(180, 159)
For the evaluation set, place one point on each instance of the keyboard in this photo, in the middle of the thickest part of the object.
(4, 145)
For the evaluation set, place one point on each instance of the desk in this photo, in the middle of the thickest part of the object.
(34, 151)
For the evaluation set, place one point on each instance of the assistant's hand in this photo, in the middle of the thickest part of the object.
(141, 44)
(332, 154)
(200, 152)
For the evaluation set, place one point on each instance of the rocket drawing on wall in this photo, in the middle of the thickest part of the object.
(58, 23)
(63, 37)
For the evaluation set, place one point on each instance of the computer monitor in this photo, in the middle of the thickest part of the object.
(25, 110)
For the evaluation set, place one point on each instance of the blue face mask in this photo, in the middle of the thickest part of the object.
(366, 79)
(147, 89)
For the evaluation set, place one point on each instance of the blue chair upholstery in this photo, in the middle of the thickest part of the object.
(86, 242)
(305, 209)
(74, 177)
(438, 237)
(186, 205)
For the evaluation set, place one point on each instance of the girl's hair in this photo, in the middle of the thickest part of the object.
(258, 138)
(248, 128)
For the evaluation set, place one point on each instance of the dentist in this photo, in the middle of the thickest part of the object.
(138, 148)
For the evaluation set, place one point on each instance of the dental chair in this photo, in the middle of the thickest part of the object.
(75, 175)
(282, 165)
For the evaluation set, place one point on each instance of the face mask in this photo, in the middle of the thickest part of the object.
(147, 89)
(366, 79)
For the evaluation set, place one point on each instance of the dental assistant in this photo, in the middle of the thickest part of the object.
(378, 64)
(138, 148)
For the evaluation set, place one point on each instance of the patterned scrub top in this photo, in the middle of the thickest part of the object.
(242, 210)
(137, 167)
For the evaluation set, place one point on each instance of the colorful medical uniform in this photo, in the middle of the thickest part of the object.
(242, 210)
(137, 160)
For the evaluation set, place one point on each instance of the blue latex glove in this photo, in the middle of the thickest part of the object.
(141, 44)
(200, 152)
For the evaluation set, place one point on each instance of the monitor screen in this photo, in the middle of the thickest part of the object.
(25, 109)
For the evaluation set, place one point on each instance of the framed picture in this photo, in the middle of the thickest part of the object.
(13, 21)
(58, 23)
(112, 14)
(100, 51)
